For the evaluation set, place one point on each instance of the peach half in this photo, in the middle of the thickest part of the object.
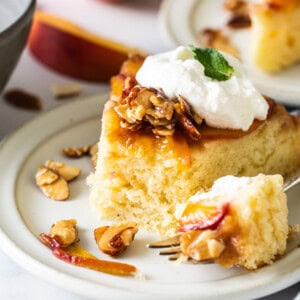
(69, 49)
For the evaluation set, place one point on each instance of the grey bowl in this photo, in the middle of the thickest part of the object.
(15, 21)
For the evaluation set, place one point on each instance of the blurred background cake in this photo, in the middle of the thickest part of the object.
(276, 33)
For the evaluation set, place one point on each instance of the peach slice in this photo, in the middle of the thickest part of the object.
(69, 49)
(79, 257)
(197, 216)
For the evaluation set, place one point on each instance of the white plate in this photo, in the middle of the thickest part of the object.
(25, 212)
(181, 22)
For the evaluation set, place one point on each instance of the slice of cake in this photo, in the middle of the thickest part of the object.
(240, 221)
(163, 141)
(275, 33)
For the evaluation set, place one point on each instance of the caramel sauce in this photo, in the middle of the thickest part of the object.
(131, 66)
(176, 147)
(80, 257)
(228, 232)
(78, 250)
(138, 143)
(210, 133)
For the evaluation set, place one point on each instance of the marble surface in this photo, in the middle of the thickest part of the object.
(139, 23)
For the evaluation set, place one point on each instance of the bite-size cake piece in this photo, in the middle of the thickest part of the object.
(275, 33)
(241, 221)
(169, 130)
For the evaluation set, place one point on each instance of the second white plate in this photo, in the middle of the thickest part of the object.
(182, 21)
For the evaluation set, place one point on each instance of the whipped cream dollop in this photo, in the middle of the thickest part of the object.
(232, 104)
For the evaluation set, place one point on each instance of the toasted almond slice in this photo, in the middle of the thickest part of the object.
(44, 176)
(65, 90)
(58, 190)
(215, 248)
(98, 233)
(67, 172)
(113, 240)
(76, 152)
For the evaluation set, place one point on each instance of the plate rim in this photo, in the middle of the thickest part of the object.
(172, 40)
(77, 285)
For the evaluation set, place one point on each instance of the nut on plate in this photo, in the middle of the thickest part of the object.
(76, 152)
(65, 232)
(67, 172)
(114, 239)
(23, 99)
(65, 90)
(62, 240)
(45, 176)
(52, 178)
(52, 184)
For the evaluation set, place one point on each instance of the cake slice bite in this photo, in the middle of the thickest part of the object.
(172, 126)
(240, 221)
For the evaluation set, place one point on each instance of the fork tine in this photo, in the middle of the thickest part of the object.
(169, 251)
(169, 242)
(175, 256)
(174, 250)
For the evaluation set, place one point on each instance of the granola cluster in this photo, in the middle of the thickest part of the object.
(148, 108)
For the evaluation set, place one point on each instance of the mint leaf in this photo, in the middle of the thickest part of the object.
(215, 65)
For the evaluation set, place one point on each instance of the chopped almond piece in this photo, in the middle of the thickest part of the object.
(58, 190)
(76, 152)
(65, 90)
(45, 176)
(113, 240)
(65, 232)
(67, 172)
